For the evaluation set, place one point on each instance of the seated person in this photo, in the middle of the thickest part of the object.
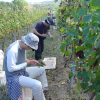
(17, 72)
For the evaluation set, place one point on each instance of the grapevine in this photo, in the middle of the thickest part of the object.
(12, 21)
(79, 21)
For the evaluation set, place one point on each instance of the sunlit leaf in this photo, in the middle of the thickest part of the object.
(67, 53)
(62, 47)
(63, 83)
(55, 1)
(70, 74)
(79, 48)
(62, 29)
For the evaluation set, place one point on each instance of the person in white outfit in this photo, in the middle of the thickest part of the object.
(17, 72)
(53, 17)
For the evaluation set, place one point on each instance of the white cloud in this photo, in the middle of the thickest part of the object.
(6, 0)
(37, 0)
(28, 0)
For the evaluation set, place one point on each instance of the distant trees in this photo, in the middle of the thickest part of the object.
(19, 4)
(14, 5)
(6, 5)
(46, 6)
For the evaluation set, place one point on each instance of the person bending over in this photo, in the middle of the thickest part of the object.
(40, 30)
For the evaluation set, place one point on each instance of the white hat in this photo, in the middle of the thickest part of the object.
(31, 40)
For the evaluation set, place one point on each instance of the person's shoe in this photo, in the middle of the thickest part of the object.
(45, 90)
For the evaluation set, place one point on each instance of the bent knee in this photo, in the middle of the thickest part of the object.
(38, 86)
(42, 68)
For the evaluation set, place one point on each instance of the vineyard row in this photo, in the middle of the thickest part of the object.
(12, 21)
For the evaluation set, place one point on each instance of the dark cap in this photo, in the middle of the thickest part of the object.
(50, 21)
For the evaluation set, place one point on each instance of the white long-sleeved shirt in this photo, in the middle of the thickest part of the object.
(12, 55)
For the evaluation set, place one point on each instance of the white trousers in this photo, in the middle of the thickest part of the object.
(36, 85)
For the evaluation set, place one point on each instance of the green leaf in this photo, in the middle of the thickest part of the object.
(79, 75)
(95, 24)
(82, 11)
(98, 96)
(71, 33)
(97, 44)
(67, 53)
(77, 38)
(94, 30)
(62, 29)
(78, 86)
(87, 52)
(94, 54)
(87, 1)
(76, 3)
(84, 74)
(85, 38)
(62, 47)
(70, 74)
(86, 79)
(84, 85)
(98, 52)
(73, 51)
(68, 19)
(97, 87)
(92, 40)
(64, 42)
(91, 88)
(91, 61)
(96, 15)
(86, 30)
(74, 14)
(79, 48)
(89, 73)
(76, 19)
(87, 18)
(95, 3)
(55, 1)
(88, 45)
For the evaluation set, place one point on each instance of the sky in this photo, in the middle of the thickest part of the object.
(28, 0)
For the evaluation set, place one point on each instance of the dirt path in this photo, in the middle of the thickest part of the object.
(57, 90)
(58, 78)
